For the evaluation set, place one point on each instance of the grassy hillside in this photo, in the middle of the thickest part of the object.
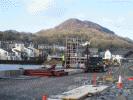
(97, 39)
(12, 35)
(98, 36)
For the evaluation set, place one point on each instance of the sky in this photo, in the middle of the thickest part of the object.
(35, 15)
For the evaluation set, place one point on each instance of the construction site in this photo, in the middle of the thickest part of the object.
(83, 77)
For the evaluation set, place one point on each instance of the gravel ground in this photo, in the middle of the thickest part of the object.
(123, 93)
(33, 89)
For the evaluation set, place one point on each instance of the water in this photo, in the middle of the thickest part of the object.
(16, 66)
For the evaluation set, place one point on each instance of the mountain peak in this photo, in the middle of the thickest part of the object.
(73, 23)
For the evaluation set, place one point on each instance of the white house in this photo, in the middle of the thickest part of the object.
(116, 54)
(7, 54)
(107, 55)
(61, 48)
(19, 46)
(31, 53)
(17, 54)
(120, 54)
(42, 46)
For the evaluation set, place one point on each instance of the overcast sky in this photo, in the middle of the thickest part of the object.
(35, 15)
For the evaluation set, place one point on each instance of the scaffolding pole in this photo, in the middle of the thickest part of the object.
(72, 53)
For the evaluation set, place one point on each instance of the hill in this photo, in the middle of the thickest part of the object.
(98, 36)
(75, 24)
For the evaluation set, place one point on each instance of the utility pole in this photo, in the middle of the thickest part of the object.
(87, 49)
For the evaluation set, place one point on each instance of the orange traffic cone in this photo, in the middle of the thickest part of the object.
(120, 81)
(110, 72)
(44, 97)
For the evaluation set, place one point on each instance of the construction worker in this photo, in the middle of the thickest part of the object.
(63, 60)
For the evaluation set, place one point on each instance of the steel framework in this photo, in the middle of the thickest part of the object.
(72, 51)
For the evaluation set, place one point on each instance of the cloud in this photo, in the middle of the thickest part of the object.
(48, 8)
(37, 6)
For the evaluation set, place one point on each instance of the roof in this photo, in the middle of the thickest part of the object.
(91, 50)
(130, 56)
(29, 48)
(102, 53)
(19, 51)
(16, 50)
(6, 50)
(119, 52)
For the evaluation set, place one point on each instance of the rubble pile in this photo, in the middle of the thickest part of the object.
(123, 93)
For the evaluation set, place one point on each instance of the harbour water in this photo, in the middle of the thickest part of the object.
(16, 66)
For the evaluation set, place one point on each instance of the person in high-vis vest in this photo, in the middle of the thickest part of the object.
(63, 60)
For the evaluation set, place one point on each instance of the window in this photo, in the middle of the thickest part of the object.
(13, 54)
(6, 53)
(9, 54)
(17, 44)
(40, 51)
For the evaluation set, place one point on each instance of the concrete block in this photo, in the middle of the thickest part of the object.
(74, 71)
(21, 72)
(7, 73)
(81, 92)
(2, 73)
(14, 72)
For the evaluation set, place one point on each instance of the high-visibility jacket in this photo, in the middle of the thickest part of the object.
(73, 41)
(63, 58)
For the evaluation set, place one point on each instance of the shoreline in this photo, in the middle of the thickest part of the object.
(21, 62)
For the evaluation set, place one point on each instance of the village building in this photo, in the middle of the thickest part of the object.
(7, 54)
(116, 54)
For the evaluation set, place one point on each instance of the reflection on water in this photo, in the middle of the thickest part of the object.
(16, 66)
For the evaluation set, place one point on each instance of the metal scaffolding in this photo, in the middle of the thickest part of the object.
(72, 51)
